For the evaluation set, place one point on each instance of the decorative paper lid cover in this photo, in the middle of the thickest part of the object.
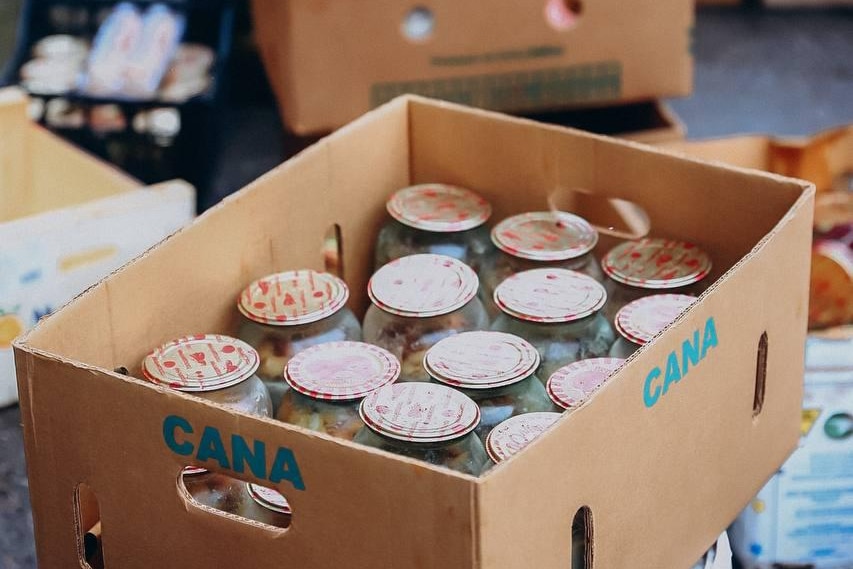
(341, 371)
(192, 470)
(269, 499)
(571, 385)
(516, 433)
(419, 412)
(201, 363)
(481, 360)
(439, 208)
(656, 263)
(293, 297)
(550, 295)
(643, 319)
(545, 236)
(421, 286)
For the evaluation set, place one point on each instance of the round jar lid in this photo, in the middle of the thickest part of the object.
(517, 432)
(269, 499)
(545, 236)
(341, 371)
(420, 412)
(644, 318)
(293, 297)
(439, 208)
(571, 385)
(201, 363)
(481, 360)
(656, 263)
(193, 470)
(421, 286)
(550, 295)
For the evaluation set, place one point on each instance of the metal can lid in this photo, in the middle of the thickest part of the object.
(545, 236)
(293, 297)
(269, 499)
(481, 360)
(550, 295)
(341, 371)
(421, 286)
(439, 208)
(420, 412)
(193, 470)
(512, 435)
(571, 385)
(656, 263)
(201, 363)
(643, 319)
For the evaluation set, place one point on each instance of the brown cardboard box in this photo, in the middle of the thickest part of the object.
(330, 61)
(661, 474)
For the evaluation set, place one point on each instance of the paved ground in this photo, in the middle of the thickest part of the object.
(782, 73)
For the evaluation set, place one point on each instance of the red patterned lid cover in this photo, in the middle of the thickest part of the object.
(656, 263)
(293, 297)
(645, 318)
(571, 385)
(439, 208)
(341, 371)
(420, 412)
(517, 432)
(269, 498)
(201, 363)
(545, 236)
(550, 295)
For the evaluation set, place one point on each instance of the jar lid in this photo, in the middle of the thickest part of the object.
(571, 385)
(643, 319)
(293, 297)
(512, 435)
(201, 363)
(341, 371)
(421, 286)
(550, 295)
(545, 236)
(439, 208)
(193, 470)
(420, 412)
(656, 263)
(269, 499)
(481, 360)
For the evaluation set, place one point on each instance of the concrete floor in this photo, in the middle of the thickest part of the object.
(775, 72)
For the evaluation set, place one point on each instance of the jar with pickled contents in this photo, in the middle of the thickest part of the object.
(640, 321)
(285, 313)
(559, 312)
(417, 301)
(222, 370)
(535, 240)
(435, 218)
(653, 266)
(571, 386)
(496, 370)
(267, 506)
(426, 421)
(329, 381)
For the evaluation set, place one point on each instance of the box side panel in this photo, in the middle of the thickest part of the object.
(743, 151)
(663, 480)
(127, 441)
(15, 177)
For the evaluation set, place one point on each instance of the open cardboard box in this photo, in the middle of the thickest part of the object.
(66, 220)
(330, 61)
(657, 466)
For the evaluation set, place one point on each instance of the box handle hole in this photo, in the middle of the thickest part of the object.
(87, 519)
(563, 15)
(333, 252)
(582, 539)
(418, 25)
(760, 376)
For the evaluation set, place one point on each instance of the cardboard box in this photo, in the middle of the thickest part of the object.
(66, 220)
(329, 61)
(659, 476)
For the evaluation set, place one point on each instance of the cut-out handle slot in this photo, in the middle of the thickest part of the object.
(333, 253)
(760, 376)
(582, 539)
(88, 521)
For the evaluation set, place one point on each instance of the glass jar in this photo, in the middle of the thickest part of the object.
(494, 369)
(570, 386)
(425, 421)
(267, 506)
(640, 321)
(417, 301)
(435, 218)
(512, 435)
(535, 240)
(285, 313)
(329, 381)
(651, 266)
(559, 312)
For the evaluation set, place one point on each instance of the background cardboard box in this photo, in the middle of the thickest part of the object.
(330, 61)
(66, 220)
